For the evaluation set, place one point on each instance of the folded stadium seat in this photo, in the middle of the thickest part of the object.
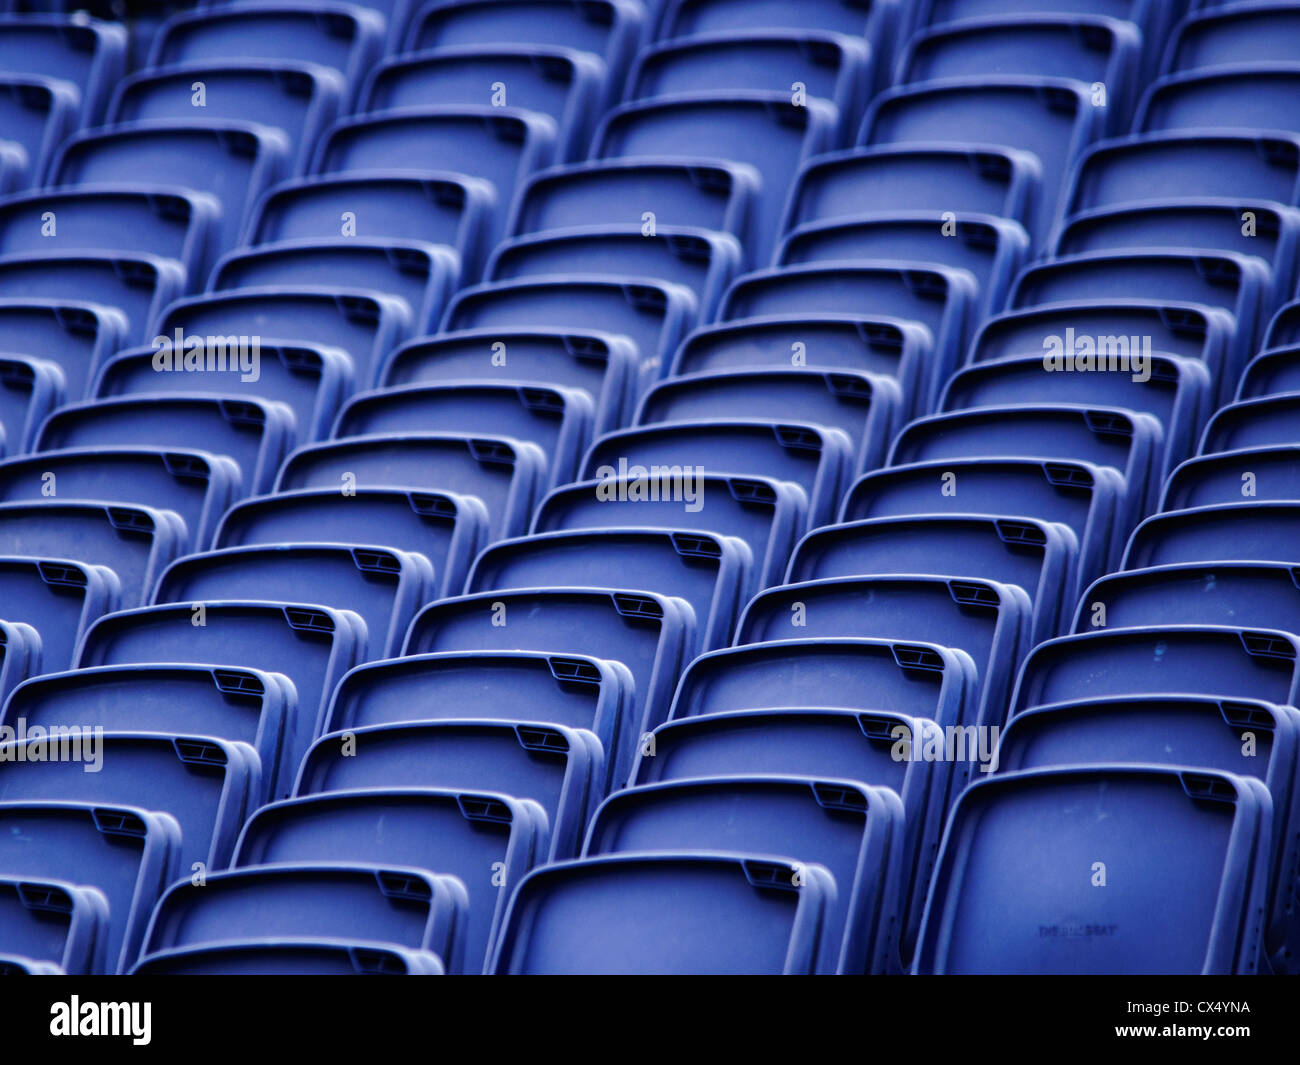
(135, 542)
(557, 420)
(29, 390)
(1284, 328)
(313, 646)
(515, 686)
(804, 62)
(1217, 660)
(1254, 95)
(1053, 118)
(247, 706)
(55, 921)
(655, 315)
(1129, 442)
(989, 621)
(865, 407)
(611, 30)
(1175, 394)
(652, 635)
(232, 161)
(767, 515)
(196, 485)
(291, 957)
(853, 831)
(659, 914)
(1252, 423)
(385, 587)
(603, 365)
(254, 433)
(1237, 284)
(1257, 531)
(18, 965)
(129, 854)
(36, 113)
(1249, 738)
(506, 475)
(686, 192)
(1270, 373)
(1040, 557)
(561, 82)
(700, 260)
(1266, 230)
(449, 530)
(20, 654)
(559, 768)
(918, 680)
(1089, 499)
(388, 205)
(815, 457)
(89, 53)
(459, 834)
(209, 786)
(58, 598)
(364, 324)
(311, 380)
(709, 572)
(300, 99)
(396, 14)
(1231, 34)
(168, 223)
(501, 145)
(1188, 164)
(763, 129)
(403, 906)
(75, 336)
(15, 176)
(1236, 476)
(940, 298)
(1102, 49)
(139, 286)
(991, 250)
(343, 36)
(1186, 840)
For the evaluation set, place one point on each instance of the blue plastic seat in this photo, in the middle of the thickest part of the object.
(918, 680)
(1254, 95)
(516, 686)
(557, 420)
(990, 249)
(453, 833)
(876, 20)
(1252, 423)
(1271, 372)
(254, 433)
(1228, 34)
(1186, 840)
(854, 832)
(29, 390)
(231, 161)
(312, 646)
(384, 587)
(1253, 531)
(403, 906)
(603, 365)
(501, 145)
(75, 336)
(311, 380)
(169, 223)
(128, 854)
(987, 620)
(767, 515)
(343, 36)
(247, 706)
(423, 209)
(20, 655)
(208, 785)
(135, 542)
(362, 323)
(561, 769)
(15, 176)
(655, 315)
(762, 129)
(1241, 475)
(37, 113)
(1213, 660)
(1039, 557)
(293, 957)
(1284, 327)
(59, 598)
(397, 15)
(449, 530)
(662, 914)
(817, 458)
(506, 475)
(89, 53)
(709, 572)
(300, 99)
(1087, 498)
(700, 260)
(652, 635)
(559, 81)
(55, 921)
